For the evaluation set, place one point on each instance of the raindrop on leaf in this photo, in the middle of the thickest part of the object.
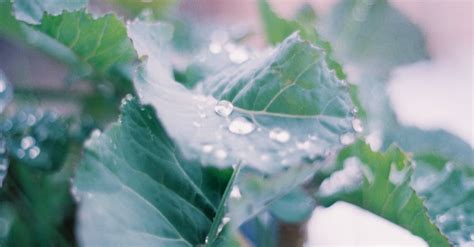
(241, 126)
(224, 108)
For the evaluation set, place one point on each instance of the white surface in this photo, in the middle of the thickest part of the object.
(346, 225)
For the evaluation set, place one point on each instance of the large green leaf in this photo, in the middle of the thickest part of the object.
(32, 11)
(288, 107)
(373, 35)
(92, 46)
(380, 183)
(135, 187)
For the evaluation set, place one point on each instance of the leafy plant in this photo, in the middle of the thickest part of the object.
(216, 153)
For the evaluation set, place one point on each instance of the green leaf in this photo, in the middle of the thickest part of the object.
(33, 11)
(290, 93)
(373, 35)
(277, 29)
(448, 192)
(380, 183)
(97, 47)
(135, 187)
(39, 205)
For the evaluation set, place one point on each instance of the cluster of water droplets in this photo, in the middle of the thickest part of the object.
(6, 92)
(3, 159)
(221, 43)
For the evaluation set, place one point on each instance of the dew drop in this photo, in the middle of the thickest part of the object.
(357, 125)
(34, 152)
(225, 220)
(235, 193)
(96, 133)
(215, 47)
(220, 154)
(306, 145)
(20, 153)
(207, 148)
(241, 126)
(224, 108)
(279, 135)
(347, 138)
(27, 142)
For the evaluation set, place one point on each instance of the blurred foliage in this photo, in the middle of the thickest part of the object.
(429, 190)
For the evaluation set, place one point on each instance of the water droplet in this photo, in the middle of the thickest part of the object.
(279, 135)
(374, 140)
(357, 125)
(241, 126)
(202, 115)
(20, 153)
(265, 157)
(354, 111)
(347, 138)
(207, 148)
(306, 145)
(3, 147)
(34, 152)
(31, 120)
(6, 92)
(215, 47)
(196, 124)
(27, 142)
(225, 220)
(224, 108)
(96, 133)
(442, 218)
(235, 193)
(220, 154)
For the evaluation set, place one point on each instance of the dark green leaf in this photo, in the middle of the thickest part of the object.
(380, 183)
(135, 187)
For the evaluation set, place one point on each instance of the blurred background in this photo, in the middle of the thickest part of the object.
(429, 94)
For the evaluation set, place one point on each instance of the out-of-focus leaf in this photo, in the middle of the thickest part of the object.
(135, 187)
(10, 26)
(287, 107)
(6, 91)
(448, 193)
(277, 29)
(159, 7)
(425, 142)
(40, 207)
(296, 206)
(373, 35)
(96, 47)
(36, 139)
(32, 11)
(380, 183)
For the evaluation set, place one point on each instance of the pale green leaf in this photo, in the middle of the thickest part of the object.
(291, 89)
(32, 11)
